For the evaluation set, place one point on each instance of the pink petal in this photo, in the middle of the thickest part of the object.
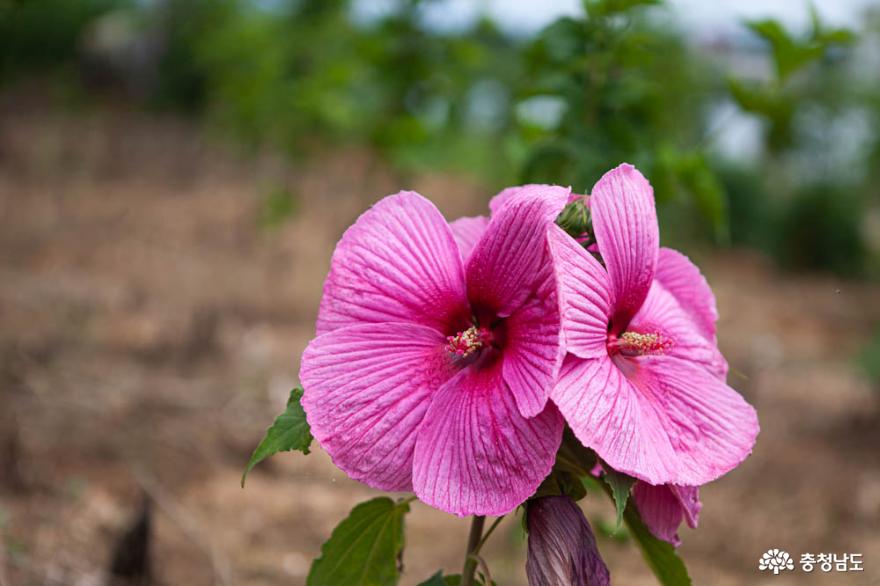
(663, 508)
(398, 263)
(667, 421)
(585, 297)
(504, 196)
(551, 192)
(475, 454)
(625, 223)
(533, 350)
(689, 499)
(683, 279)
(504, 266)
(467, 232)
(662, 313)
(367, 389)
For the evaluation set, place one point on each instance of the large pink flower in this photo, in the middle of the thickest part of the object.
(643, 381)
(434, 360)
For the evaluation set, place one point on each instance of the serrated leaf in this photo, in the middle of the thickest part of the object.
(621, 485)
(290, 431)
(435, 580)
(439, 579)
(660, 555)
(365, 547)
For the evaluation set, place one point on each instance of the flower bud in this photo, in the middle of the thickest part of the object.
(562, 548)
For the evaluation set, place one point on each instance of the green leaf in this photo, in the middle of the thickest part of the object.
(611, 7)
(365, 547)
(621, 485)
(660, 555)
(561, 482)
(789, 54)
(439, 579)
(435, 580)
(289, 431)
(573, 457)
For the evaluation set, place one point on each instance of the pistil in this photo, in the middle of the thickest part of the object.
(639, 344)
(468, 341)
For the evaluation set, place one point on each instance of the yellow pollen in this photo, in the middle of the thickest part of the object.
(466, 342)
(639, 344)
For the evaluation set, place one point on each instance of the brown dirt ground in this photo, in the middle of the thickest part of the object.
(150, 329)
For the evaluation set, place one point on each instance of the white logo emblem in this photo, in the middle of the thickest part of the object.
(775, 560)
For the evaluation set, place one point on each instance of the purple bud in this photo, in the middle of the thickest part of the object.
(562, 548)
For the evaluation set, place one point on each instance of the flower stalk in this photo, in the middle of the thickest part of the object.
(470, 560)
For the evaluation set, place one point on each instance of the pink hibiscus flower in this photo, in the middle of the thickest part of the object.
(434, 359)
(642, 384)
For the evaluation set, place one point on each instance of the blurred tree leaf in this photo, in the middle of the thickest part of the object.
(788, 54)
(365, 548)
(548, 162)
(770, 103)
(597, 8)
(290, 431)
(829, 36)
(700, 180)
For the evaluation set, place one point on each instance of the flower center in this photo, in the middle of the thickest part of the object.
(468, 341)
(639, 344)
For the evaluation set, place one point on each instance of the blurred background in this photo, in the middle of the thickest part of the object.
(174, 175)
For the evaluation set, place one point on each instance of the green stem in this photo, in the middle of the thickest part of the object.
(470, 562)
(488, 533)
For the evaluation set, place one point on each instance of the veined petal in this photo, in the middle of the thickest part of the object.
(689, 499)
(625, 223)
(467, 232)
(501, 199)
(475, 454)
(562, 548)
(584, 293)
(666, 421)
(533, 349)
(367, 389)
(662, 313)
(398, 263)
(683, 279)
(504, 266)
(663, 508)
(536, 189)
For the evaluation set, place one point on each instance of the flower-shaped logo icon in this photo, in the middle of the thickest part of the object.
(775, 560)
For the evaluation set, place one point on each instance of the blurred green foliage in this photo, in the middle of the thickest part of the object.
(620, 82)
(627, 90)
(279, 205)
(869, 359)
(45, 33)
(806, 197)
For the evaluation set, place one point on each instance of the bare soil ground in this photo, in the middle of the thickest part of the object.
(150, 329)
